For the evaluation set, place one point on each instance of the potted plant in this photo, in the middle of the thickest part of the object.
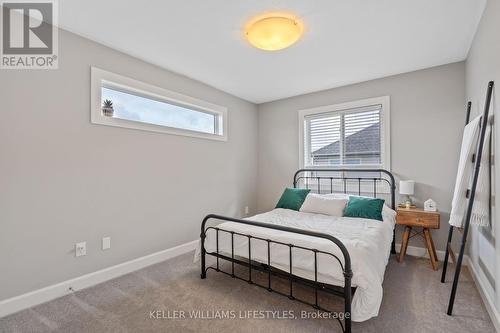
(107, 108)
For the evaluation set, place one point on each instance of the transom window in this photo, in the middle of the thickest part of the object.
(350, 134)
(124, 102)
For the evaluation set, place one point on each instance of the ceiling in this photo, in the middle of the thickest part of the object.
(345, 41)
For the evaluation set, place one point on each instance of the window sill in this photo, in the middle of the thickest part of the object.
(123, 123)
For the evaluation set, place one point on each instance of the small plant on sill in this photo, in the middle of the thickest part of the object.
(107, 108)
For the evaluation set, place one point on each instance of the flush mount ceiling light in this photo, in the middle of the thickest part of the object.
(273, 32)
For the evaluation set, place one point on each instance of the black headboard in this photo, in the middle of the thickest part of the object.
(367, 182)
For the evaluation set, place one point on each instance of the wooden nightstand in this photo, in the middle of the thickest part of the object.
(415, 217)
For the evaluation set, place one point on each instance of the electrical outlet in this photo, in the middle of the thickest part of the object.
(106, 243)
(247, 210)
(81, 249)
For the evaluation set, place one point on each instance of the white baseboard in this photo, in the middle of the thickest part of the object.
(419, 252)
(21, 302)
(488, 302)
(422, 252)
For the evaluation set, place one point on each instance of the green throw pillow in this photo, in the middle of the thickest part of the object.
(292, 198)
(368, 208)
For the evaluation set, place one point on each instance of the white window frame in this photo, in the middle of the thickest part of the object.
(385, 130)
(125, 84)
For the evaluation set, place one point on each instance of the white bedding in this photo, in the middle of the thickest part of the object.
(368, 242)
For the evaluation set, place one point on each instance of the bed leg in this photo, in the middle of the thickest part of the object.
(393, 245)
(348, 300)
(203, 274)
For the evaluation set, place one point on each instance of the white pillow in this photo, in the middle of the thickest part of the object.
(321, 204)
(387, 212)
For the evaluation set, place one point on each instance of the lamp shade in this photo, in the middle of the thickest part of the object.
(406, 187)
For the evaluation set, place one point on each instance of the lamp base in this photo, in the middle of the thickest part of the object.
(407, 203)
(403, 205)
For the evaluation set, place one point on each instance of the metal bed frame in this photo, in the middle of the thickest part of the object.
(321, 181)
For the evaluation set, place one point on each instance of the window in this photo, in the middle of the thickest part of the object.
(349, 135)
(124, 102)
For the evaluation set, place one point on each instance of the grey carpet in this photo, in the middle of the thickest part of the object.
(414, 301)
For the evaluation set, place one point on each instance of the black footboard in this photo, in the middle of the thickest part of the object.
(345, 292)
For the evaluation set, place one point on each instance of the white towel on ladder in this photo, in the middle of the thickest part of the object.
(480, 209)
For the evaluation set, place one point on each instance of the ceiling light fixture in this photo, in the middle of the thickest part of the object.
(273, 32)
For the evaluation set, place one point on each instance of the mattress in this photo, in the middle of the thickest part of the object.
(368, 242)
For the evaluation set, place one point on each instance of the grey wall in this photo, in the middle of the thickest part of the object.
(65, 180)
(427, 116)
(483, 65)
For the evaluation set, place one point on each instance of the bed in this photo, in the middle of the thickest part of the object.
(342, 256)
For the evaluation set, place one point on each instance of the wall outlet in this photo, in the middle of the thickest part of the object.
(81, 249)
(247, 210)
(106, 243)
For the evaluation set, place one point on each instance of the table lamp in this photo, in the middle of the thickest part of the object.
(407, 187)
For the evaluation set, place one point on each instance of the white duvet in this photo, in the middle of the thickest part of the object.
(368, 242)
